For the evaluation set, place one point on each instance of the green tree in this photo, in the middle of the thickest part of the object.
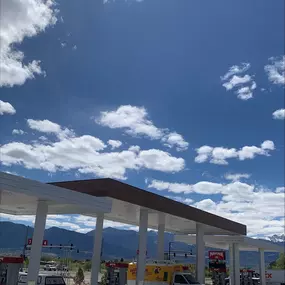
(280, 262)
(79, 278)
(87, 266)
(104, 278)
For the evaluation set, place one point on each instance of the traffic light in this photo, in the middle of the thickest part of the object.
(174, 254)
(50, 247)
(71, 246)
(191, 253)
(60, 246)
(77, 251)
(185, 255)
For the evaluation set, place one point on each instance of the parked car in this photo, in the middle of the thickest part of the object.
(49, 267)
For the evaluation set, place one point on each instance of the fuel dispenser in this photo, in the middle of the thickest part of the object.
(248, 277)
(217, 265)
(9, 270)
(117, 273)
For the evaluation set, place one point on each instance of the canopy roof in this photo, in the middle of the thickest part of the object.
(19, 196)
(127, 201)
(223, 242)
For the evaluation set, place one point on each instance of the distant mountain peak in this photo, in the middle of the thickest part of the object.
(277, 238)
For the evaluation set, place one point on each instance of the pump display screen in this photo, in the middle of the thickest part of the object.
(54, 281)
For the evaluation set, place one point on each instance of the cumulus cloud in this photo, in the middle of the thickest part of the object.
(19, 20)
(135, 121)
(275, 70)
(84, 154)
(6, 108)
(174, 139)
(261, 209)
(220, 155)
(46, 126)
(279, 114)
(244, 85)
(114, 143)
(236, 69)
(17, 132)
(237, 176)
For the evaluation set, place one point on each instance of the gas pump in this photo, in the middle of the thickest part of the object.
(9, 270)
(217, 265)
(117, 273)
(247, 277)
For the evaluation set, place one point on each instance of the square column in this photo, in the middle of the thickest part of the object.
(262, 267)
(200, 254)
(234, 264)
(160, 236)
(96, 258)
(141, 262)
(38, 235)
(231, 261)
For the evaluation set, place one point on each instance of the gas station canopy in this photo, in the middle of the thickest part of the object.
(118, 201)
(223, 242)
(20, 196)
(127, 201)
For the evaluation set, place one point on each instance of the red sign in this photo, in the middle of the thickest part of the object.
(11, 259)
(268, 275)
(220, 255)
(30, 241)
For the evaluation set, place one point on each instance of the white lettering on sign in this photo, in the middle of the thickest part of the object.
(217, 255)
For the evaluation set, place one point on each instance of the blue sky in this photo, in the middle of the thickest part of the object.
(157, 75)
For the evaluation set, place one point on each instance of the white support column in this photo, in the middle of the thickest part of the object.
(160, 236)
(232, 265)
(200, 254)
(236, 265)
(36, 249)
(262, 267)
(96, 258)
(141, 262)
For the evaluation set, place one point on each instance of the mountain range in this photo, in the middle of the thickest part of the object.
(117, 243)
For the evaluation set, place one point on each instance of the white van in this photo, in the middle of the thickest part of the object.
(43, 279)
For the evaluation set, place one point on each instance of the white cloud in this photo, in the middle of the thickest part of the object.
(244, 85)
(276, 70)
(186, 201)
(91, 222)
(202, 187)
(279, 114)
(156, 159)
(84, 154)
(43, 138)
(18, 132)
(262, 210)
(220, 155)
(236, 81)
(6, 108)
(59, 223)
(134, 120)
(175, 140)
(19, 20)
(236, 69)
(114, 143)
(237, 176)
(46, 126)
(280, 190)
